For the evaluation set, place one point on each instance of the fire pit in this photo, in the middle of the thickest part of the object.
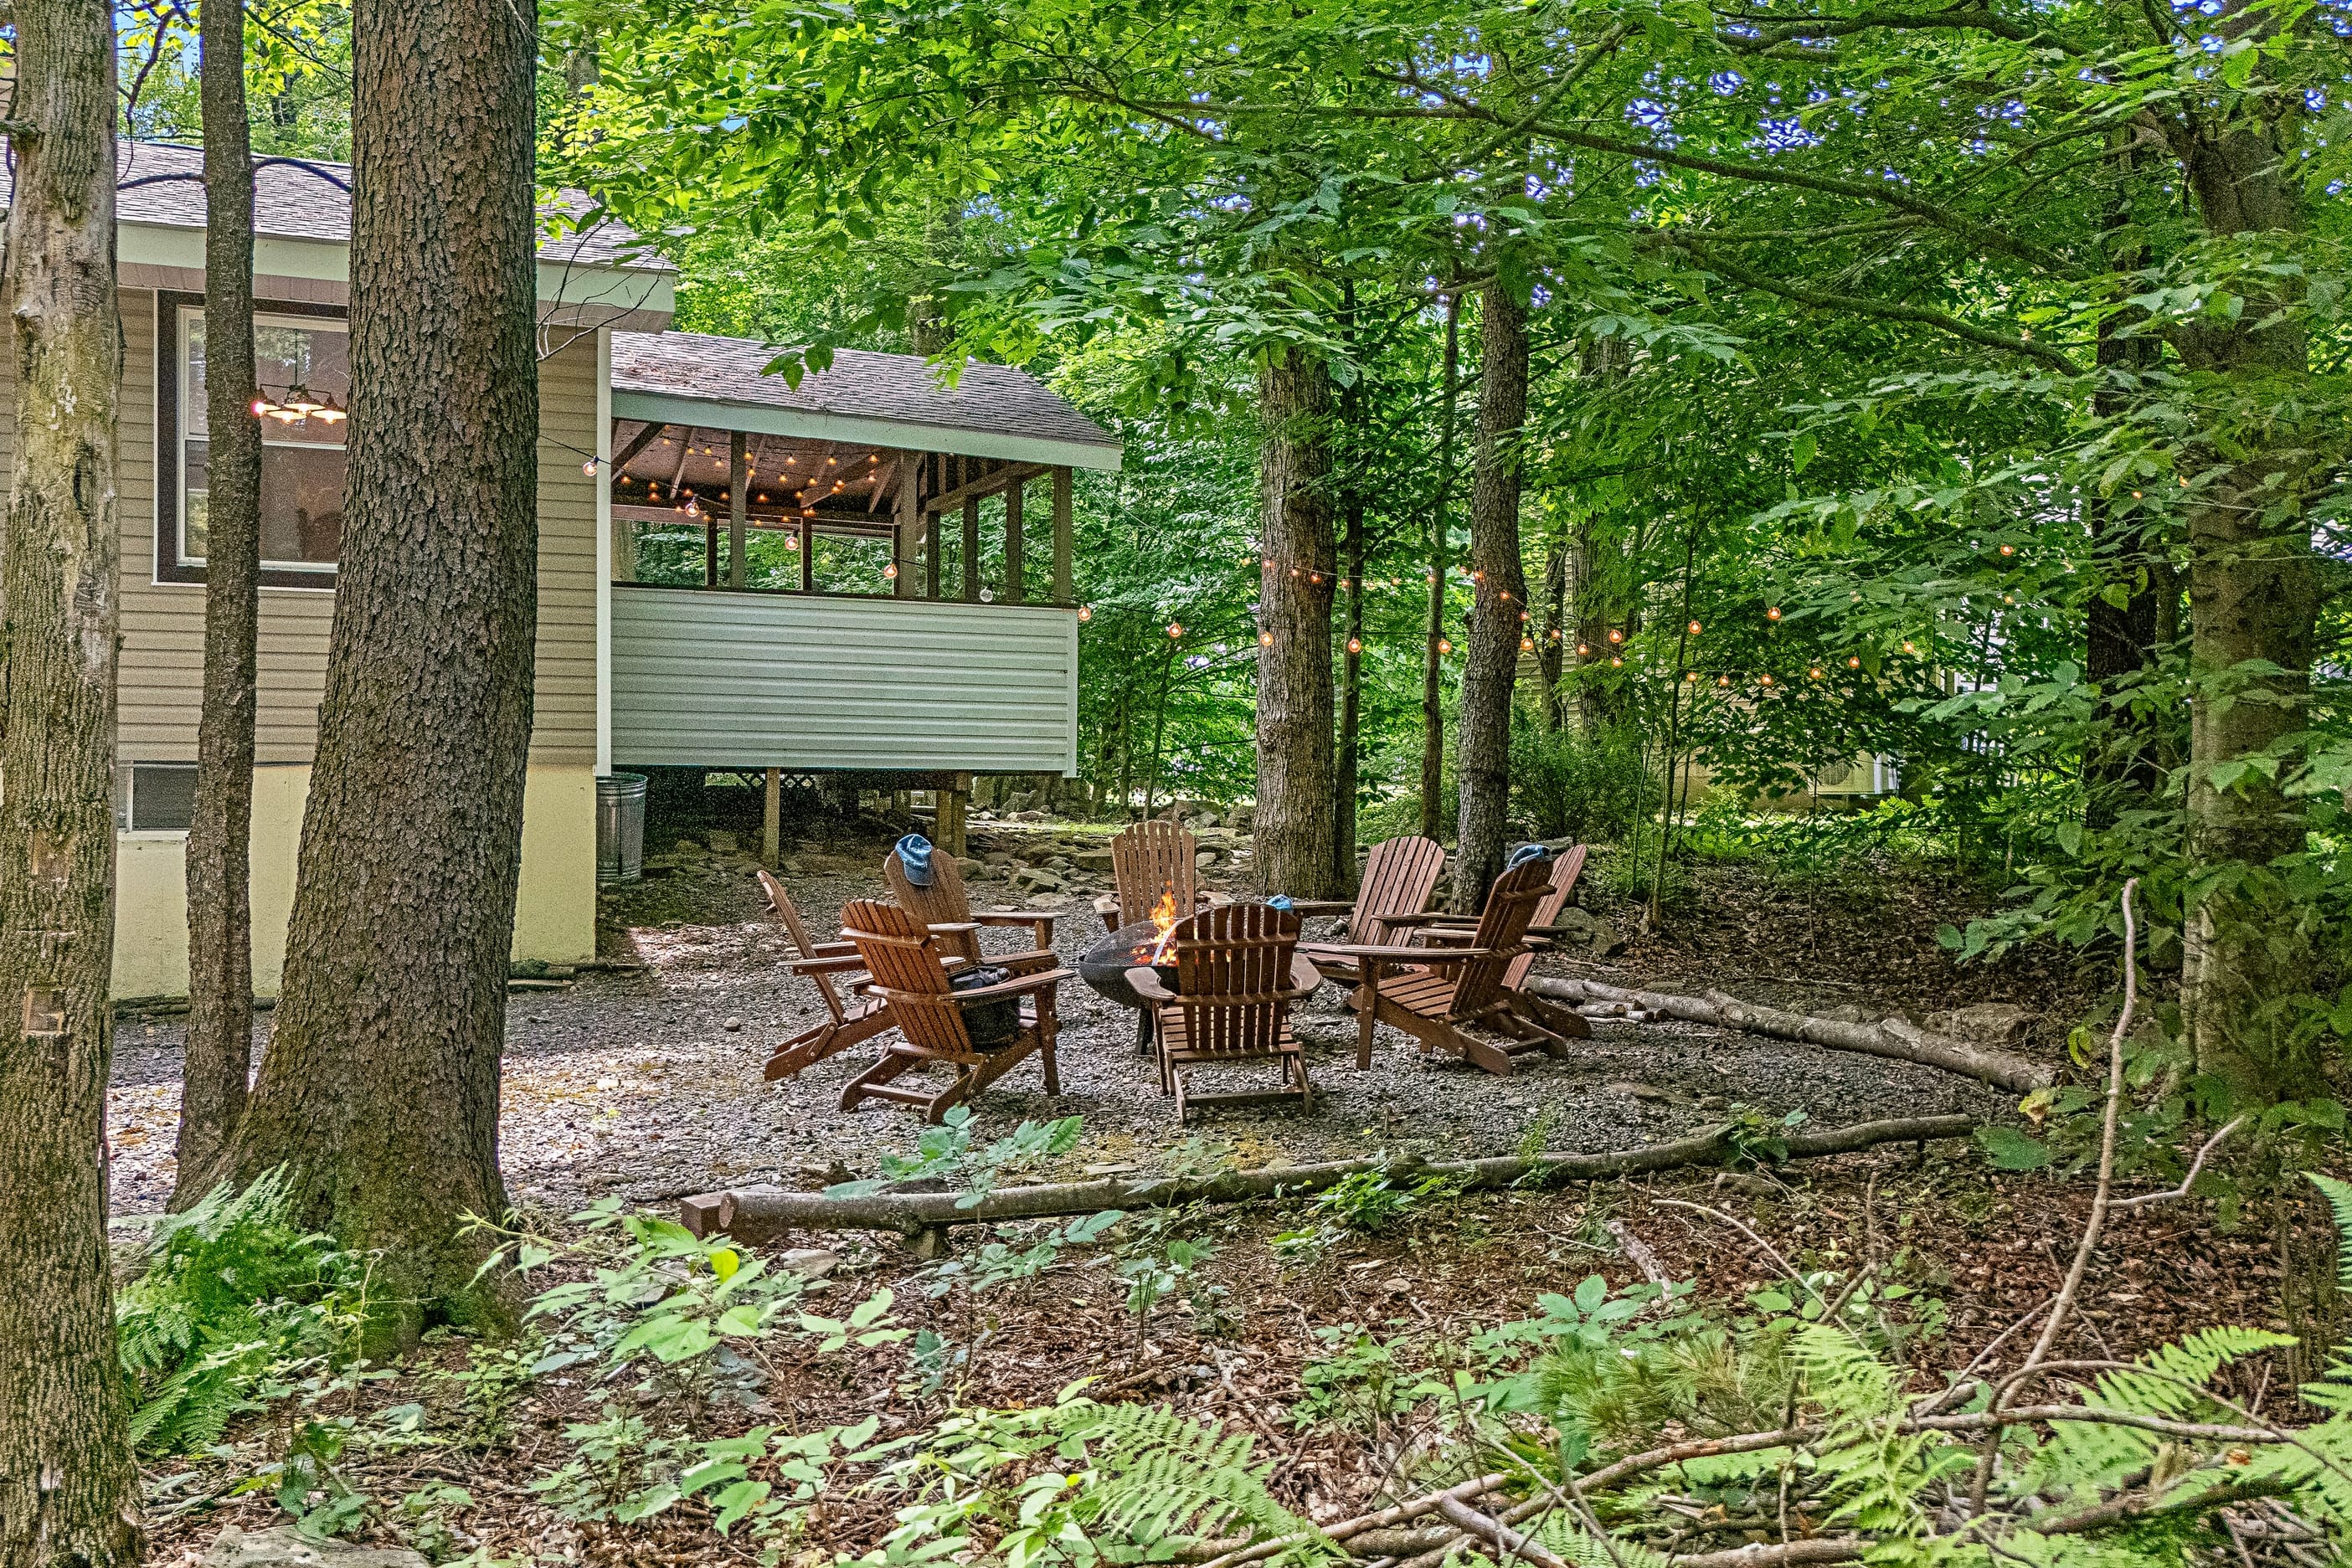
(1104, 964)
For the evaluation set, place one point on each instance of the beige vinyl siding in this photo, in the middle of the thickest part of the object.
(162, 653)
(774, 680)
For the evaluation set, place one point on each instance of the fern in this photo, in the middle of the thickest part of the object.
(1158, 1476)
(230, 1293)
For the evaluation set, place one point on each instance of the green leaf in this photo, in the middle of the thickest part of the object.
(1802, 450)
(2011, 1150)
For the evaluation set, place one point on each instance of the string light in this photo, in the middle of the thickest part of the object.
(1355, 645)
(1583, 650)
(1693, 628)
(2009, 549)
(1265, 639)
(892, 571)
(1768, 680)
(1909, 649)
(1816, 671)
(1689, 675)
(1773, 613)
(589, 467)
(1555, 634)
(1853, 662)
(1527, 645)
(1085, 613)
(1444, 647)
(1723, 680)
(1618, 663)
(1175, 629)
(1615, 635)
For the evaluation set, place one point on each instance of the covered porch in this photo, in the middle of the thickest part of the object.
(866, 573)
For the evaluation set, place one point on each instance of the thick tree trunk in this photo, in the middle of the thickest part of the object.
(1351, 695)
(1432, 661)
(1293, 671)
(381, 1087)
(2254, 594)
(68, 1489)
(1498, 598)
(219, 1052)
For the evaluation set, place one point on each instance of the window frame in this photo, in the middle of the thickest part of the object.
(172, 437)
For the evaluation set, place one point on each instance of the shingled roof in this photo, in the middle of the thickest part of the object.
(900, 389)
(159, 182)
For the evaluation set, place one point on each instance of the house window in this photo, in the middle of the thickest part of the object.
(302, 456)
(158, 797)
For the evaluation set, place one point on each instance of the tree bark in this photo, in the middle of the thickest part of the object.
(219, 1054)
(2254, 594)
(1498, 597)
(1355, 459)
(1433, 661)
(380, 1092)
(68, 1489)
(1293, 671)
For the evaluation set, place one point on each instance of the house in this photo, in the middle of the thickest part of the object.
(724, 662)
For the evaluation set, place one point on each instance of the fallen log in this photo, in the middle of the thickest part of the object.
(758, 1214)
(1894, 1039)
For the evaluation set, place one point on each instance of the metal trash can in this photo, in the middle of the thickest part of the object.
(620, 827)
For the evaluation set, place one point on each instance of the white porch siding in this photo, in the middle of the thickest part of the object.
(712, 679)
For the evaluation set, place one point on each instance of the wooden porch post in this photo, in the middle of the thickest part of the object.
(907, 548)
(808, 555)
(931, 555)
(710, 548)
(1063, 590)
(772, 821)
(739, 497)
(972, 549)
(953, 806)
(1014, 590)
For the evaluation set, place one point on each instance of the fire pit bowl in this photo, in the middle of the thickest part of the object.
(1104, 964)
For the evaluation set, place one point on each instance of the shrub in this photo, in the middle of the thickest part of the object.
(1574, 788)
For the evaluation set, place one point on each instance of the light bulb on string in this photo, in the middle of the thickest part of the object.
(1909, 649)
(1175, 629)
(1723, 680)
(1773, 613)
(2009, 549)
(1615, 635)
(892, 571)
(589, 468)
(1523, 617)
(1617, 664)
(1355, 645)
(1555, 634)
(1767, 680)
(1445, 646)
(1693, 628)
(1583, 650)
(1853, 662)
(1265, 639)
(1527, 645)
(988, 596)
(1085, 613)
(1816, 671)
(1689, 676)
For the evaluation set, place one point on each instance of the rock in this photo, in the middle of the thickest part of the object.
(1036, 879)
(1059, 862)
(723, 842)
(1204, 860)
(1584, 928)
(1028, 816)
(985, 873)
(809, 1262)
(1111, 1170)
(284, 1547)
(967, 866)
(687, 847)
(1748, 1182)
(730, 1025)
(998, 858)
(1092, 860)
(1986, 1023)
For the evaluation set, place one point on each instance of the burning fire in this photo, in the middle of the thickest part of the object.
(1163, 916)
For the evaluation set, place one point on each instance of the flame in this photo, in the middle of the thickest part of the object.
(1163, 916)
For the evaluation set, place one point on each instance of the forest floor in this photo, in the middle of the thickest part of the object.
(644, 1082)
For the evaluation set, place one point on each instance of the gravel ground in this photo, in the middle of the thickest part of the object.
(645, 1083)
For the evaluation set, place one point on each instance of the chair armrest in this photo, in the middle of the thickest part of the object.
(831, 964)
(1316, 908)
(946, 927)
(1429, 917)
(1147, 983)
(831, 950)
(1015, 916)
(1394, 955)
(1448, 933)
(1019, 985)
(1023, 963)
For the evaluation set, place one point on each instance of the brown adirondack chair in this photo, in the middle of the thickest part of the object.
(1440, 995)
(1238, 971)
(1446, 927)
(911, 974)
(1399, 876)
(859, 1017)
(1150, 861)
(946, 908)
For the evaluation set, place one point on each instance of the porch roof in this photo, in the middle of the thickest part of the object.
(874, 400)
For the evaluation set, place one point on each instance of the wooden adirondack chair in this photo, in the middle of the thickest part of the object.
(910, 974)
(1439, 994)
(1150, 861)
(946, 908)
(1565, 869)
(860, 1016)
(1399, 876)
(1238, 971)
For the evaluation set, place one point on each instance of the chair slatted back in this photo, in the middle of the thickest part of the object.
(1564, 872)
(1150, 861)
(903, 956)
(1502, 926)
(1399, 876)
(1233, 965)
(803, 944)
(944, 903)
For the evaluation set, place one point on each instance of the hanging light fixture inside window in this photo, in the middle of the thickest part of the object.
(330, 411)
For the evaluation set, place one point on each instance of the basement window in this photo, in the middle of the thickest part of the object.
(158, 797)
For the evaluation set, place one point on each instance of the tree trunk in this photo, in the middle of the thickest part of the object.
(1432, 661)
(219, 1053)
(1293, 671)
(380, 1092)
(1596, 592)
(1499, 596)
(68, 1489)
(1355, 457)
(2253, 592)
